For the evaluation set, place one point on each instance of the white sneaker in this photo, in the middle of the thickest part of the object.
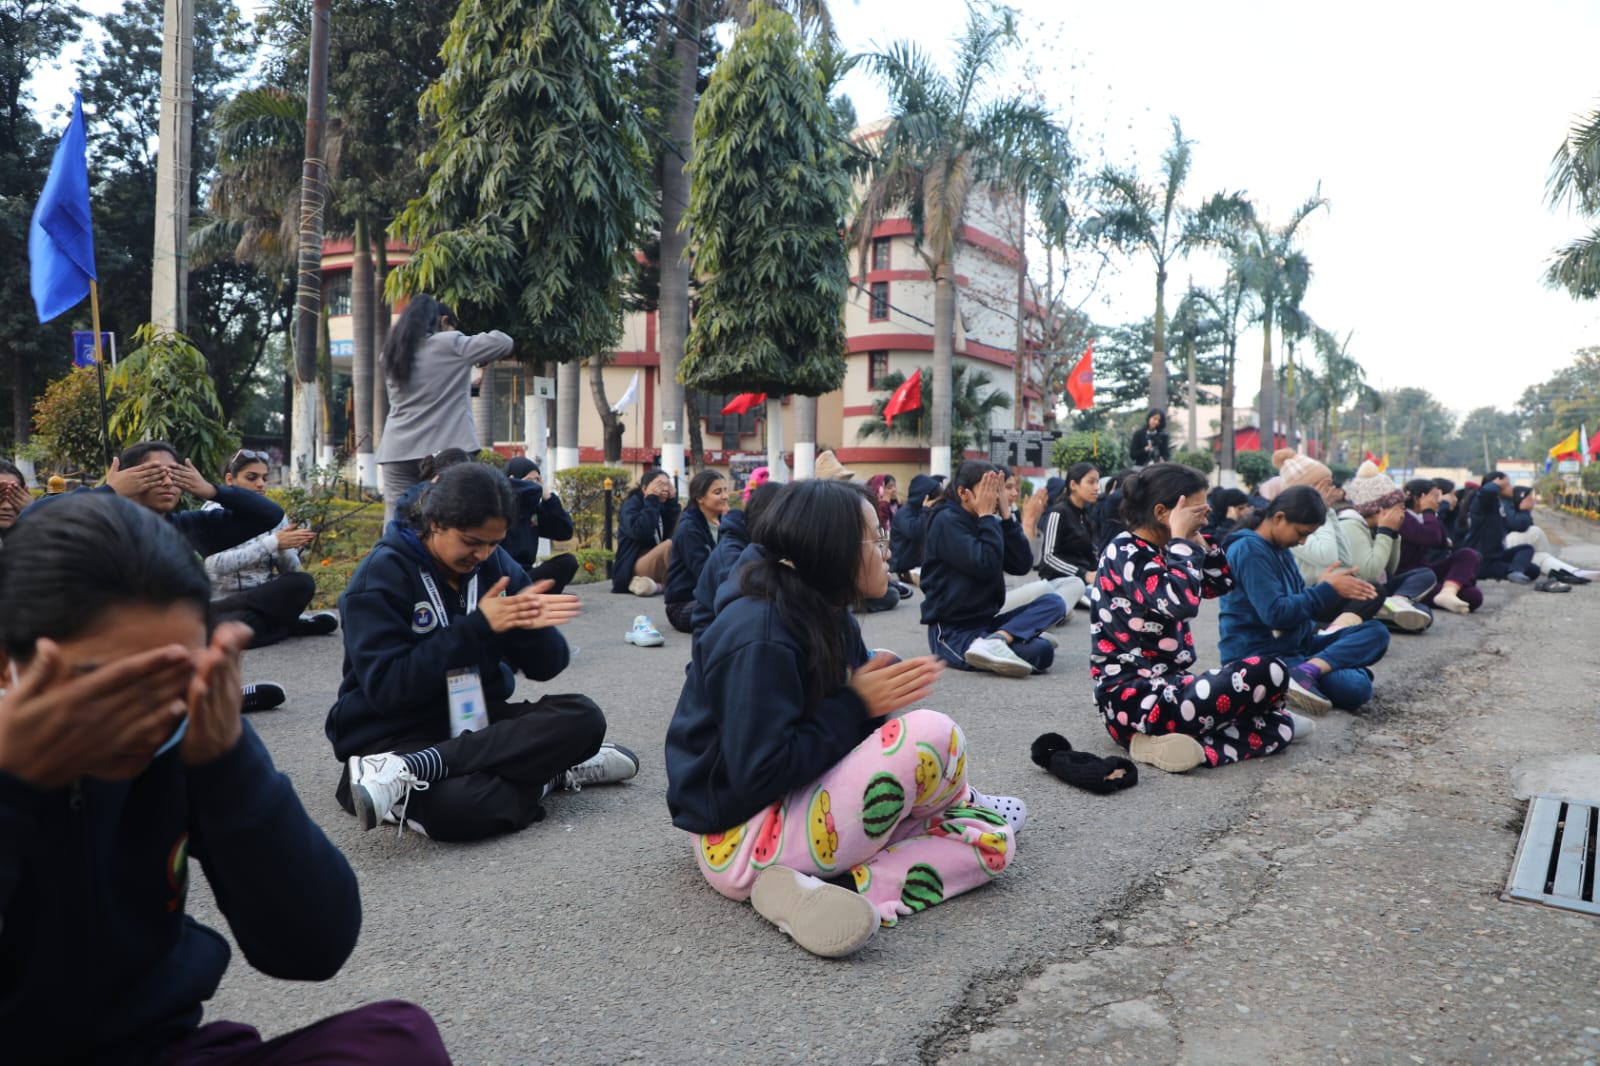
(1303, 726)
(379, 783)
(1011, 808)
(644, 634)
(611, 765)
(1402, 613)
(996, 656)
(825, 919)
(643, 586)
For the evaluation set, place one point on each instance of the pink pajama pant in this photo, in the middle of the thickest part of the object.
(893, 813)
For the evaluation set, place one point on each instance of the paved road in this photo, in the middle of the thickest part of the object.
(590, 938)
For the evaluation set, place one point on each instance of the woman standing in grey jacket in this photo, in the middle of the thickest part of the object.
(427, 365)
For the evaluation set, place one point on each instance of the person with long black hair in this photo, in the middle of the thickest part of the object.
(733, 539)
(1149, 586)
(693, 538)
(124, 759)
(437, 617)
(802, 793)
(427, 370)
(1070, 530)
(1150, 443)
(972, 541)
(645, 524)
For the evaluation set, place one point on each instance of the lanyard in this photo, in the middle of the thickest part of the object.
(438, 604)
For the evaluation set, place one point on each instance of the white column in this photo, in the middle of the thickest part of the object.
(775, 464)
(566, 418)
(169, 280)
(805, 437)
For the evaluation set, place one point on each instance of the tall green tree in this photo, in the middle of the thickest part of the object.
(1275, 268)
(1338, 382)
(768, 194)
(1418, 427)
(537, 184)
(32, 34)
(1567, 399)
(1574, 183)
(1229, 304)
(949, 136)
(1485, 436)
(1148, 218)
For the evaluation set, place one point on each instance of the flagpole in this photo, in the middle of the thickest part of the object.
(100, 371)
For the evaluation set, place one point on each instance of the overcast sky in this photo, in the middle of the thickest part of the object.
(1428, 125)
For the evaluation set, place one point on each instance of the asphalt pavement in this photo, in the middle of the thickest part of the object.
(591, 937)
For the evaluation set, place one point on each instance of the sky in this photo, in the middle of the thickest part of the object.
(1428, 126)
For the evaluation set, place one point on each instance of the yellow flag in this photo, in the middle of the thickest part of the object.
(1569, 443)
(1385, 464)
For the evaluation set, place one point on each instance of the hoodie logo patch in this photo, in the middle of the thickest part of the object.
(423, 618)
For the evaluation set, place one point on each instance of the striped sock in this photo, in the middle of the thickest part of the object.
(427, 765)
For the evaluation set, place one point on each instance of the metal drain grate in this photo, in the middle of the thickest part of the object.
(1556, 856)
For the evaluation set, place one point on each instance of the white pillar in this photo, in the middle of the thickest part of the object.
(307, 406)
(805, 437)
(939, 460)
(169, 278)
(566, 418)
(775, 464)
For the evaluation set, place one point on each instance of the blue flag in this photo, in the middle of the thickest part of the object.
(61, 238)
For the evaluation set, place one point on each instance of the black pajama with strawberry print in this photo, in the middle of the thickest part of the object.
(1141, 647)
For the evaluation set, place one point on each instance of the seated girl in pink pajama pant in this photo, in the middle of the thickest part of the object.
(803, 795)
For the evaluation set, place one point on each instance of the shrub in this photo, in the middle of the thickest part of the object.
(592, 565)
(1200, 460)
(66, 425)
(163, 391)
(582, 490)
(1253, 468)
(1590, 478)
(1105, 450)
(490, 457)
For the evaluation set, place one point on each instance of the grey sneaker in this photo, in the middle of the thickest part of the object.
(378, 784)
(611, 765)
(995, 655)
(1403, 614)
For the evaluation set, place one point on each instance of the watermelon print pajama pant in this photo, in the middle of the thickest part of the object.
(1235, 712)
(891, 814)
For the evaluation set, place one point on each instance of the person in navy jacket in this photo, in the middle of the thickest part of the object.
(972, 541)
(123, 757)
(442, 608)
(906, 530)
(693, 539)
(733, 539)
(540, 515)
(645, 523)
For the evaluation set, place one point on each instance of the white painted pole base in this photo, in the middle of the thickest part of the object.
(366, 470)
(304, 454)
(672, 463)
(1227, 478)
(775, 464)
(805, 460)
(566, 459)
(29, 474)
(939, 460)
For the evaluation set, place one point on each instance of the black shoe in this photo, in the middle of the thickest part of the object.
(902, 588)
(1567, 577)
(1550, 584)
(263, 696)
(315, 624)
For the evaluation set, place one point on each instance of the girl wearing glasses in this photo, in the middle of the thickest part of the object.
(802, 793)
(260, 582)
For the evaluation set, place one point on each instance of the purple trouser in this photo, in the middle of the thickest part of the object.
(392, 1031)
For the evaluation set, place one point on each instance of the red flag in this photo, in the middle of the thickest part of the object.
(1080, 383)
(908, 397)
(1594, 444)
(743, 402)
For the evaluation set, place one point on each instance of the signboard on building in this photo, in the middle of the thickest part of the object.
(544, 388)
(1022, 447)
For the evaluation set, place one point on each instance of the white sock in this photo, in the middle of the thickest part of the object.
(1303, 726)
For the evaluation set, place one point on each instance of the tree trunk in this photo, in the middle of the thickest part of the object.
(483, 409)
(362, 312)
(675, 235)
(308, 292)
(1194, 392)
(1158, 358)
(380, 334)
(697, 443)
(21, 397)
(805, 437)
(1019, 412)
(944, 343)
(1267, 442)
(1289, 413)
(1226, 459)
(613, 424)
(567, 416)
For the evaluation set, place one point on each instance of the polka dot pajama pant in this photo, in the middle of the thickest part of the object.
(1235, 712)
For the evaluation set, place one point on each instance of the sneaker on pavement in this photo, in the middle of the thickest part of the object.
(378, 784)
(611, 765)
(315, 624)
(826, 920)
(643, 586)
(1175, 753)
(1303, 726)
(1403, 614)
(262, 696)
(1551, 584)
(1306, 694)
(995, 655)
(644, 634)
(1011, 808)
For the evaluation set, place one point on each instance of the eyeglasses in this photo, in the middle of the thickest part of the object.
(245, 453)
(882, 542)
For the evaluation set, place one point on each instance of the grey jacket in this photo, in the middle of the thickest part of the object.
(433, 410)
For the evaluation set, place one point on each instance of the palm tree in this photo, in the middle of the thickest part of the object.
(1137, 217)
(972, 402)
(942, 143)
(1278, 273)
(1574, 182)
(1230, 305)
(1341, 382)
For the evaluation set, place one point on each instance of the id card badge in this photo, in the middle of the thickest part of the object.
(468, 711)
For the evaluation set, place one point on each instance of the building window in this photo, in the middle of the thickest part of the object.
(337, 294)
(880, 253)
(510, 403)
(879, 310)
(877, 369)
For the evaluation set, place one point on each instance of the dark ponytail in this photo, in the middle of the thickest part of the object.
(418, 322)
(1299, 504)
(807, 531)
(1160, 483)
(65, 565)
(465, 497)
(967, 476)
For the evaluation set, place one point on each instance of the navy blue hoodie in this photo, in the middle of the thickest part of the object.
(643, 522)
(538, 515)
(692, 541)
(1270, 612)
(396, 654)
(98, 961)
(742, 735)
(907, 527)
(732, 540)
(964, 563)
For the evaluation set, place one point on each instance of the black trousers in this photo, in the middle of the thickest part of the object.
(557, 568)
(1412, 584)
(272, 609)
(498, 775)
(681, 616)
